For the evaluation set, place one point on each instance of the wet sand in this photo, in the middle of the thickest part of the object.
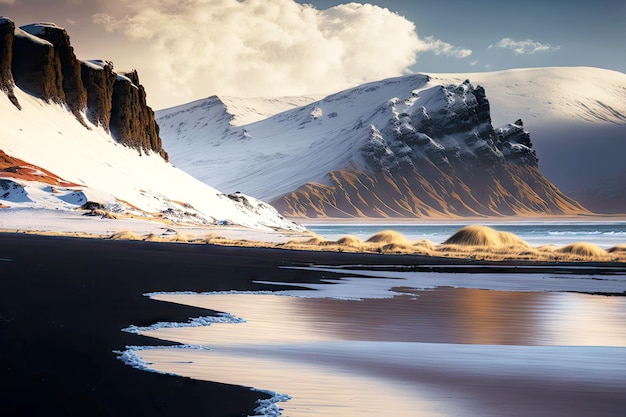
(64, 301)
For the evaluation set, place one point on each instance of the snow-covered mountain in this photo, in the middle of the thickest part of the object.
(416, 145)
(577, 120)
(64, 145)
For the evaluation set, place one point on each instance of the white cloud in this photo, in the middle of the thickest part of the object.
(265, 47)
(474, 63)
(443, 48)
(524, 47)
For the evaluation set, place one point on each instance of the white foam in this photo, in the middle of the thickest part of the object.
(193, 322)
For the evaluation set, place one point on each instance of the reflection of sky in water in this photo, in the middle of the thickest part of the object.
(445, 315)
(408, 352)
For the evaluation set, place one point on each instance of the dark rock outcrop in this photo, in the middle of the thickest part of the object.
(98, 78)
(40, 60)
(448, 126)
(7, 33)
(132, 121)
(36, 67)
(73, 89)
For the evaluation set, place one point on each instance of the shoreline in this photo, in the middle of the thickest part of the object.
(74, 224)
(64, 302)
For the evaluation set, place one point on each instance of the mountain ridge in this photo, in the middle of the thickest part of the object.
(398, 131)
(574, 113)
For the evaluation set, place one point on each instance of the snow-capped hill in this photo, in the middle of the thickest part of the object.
(78, 135)
(573, 114)
(84, 165)
(345, 155)
(553, 94)
(253, 109)
(210, 112)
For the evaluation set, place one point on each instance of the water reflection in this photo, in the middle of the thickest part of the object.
(444, 315)
(442, 352)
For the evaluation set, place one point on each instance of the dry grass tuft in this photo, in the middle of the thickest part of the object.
(125, 235)
(398, 248)
(583, 249)
(619, 249)
(426, 245)
(388, 237)
(484, 236)
(178, 238)
(153, 238)
(351, 241)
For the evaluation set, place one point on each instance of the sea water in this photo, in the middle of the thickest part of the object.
(403, 343)
(536, 233)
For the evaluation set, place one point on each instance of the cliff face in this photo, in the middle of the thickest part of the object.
(98, 78)
(36, 67)
(73, 89)
(40, 60)
(7, 34)
(140, 130)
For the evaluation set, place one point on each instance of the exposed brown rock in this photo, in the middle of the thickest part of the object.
(132, 121)
(75, 93)
(16, 169)
(98, 79)
(36, 67)
(503, 190)
(41, 61)
(7, 30)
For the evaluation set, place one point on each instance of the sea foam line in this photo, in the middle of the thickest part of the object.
(267, 407)
(193, 322)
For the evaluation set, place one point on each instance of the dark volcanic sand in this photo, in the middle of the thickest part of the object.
(64, 301)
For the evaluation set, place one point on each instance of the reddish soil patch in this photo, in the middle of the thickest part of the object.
(15, 168)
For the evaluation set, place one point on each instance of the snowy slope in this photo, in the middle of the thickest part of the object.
(96, 168)
(275, 155)
(553, 94)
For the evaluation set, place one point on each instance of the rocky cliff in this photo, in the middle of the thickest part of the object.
(36, 67)
(98, 78)
(7, 30)
(71, 82)
(436, 155)
(139, 130)
(40, 60)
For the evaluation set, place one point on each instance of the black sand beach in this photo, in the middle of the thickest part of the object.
(64, 301)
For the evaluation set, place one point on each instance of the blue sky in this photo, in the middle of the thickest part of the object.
(586, 33)
(189, 50)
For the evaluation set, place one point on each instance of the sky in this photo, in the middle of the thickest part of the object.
(192, 49)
